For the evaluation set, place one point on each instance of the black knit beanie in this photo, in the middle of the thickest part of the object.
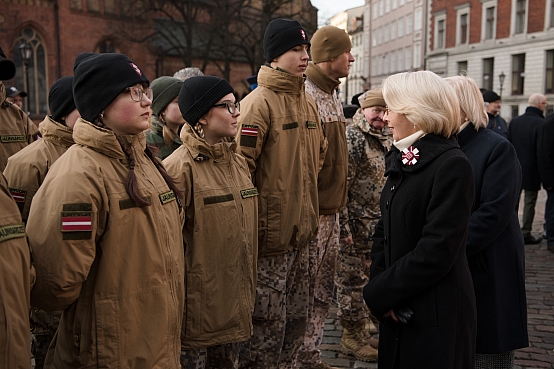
(281, 35)
(80, 58)
(100, 78)
(165, 89)
(60, 98)
(490, 96)
(199, 94)
(7, 67)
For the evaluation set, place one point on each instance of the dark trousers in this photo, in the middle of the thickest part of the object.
(549, 217)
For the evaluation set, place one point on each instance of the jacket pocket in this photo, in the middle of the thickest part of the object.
(270, 290)
(270, 225)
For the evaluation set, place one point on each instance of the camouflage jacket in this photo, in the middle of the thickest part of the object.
(366, 168)
(155, 138)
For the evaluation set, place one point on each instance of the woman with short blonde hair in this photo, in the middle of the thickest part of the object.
(420, 284)
(495, 247)
(435, 111)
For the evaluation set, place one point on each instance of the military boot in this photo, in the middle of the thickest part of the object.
(354, 341)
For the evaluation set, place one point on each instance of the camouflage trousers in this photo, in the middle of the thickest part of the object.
(352, 274)
(322, 258)
(212, 357)
(280, 311)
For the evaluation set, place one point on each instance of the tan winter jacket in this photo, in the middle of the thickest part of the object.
(16, 131)
(331, 181)
(15, 283)
(116, 269)
(221, 241)
(26, 169)
(281, 138)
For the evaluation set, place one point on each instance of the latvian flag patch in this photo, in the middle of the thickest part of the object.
(18, 195)
(77, 222)
(248, 135)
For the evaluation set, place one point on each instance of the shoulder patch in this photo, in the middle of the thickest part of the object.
(311, 125)
(12, 231)
(248, 135)
(251, 192)
(167, 197)
(76, 221)
(12, 138)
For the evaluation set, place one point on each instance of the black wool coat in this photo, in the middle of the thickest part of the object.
(545, 152)
(495, 246)
(523, 135)
(418, 259)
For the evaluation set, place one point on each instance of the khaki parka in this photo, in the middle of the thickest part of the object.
(280, 136)
(116, 269)
(331, 181)
(27, 168)
(221, 240)
(15, 283)
(16, 131)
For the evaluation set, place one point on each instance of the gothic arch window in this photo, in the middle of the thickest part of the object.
(31, 75)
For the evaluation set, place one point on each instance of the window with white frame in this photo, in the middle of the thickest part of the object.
(462, 68)
(374, 38)
(394, 4)
(381, 7)
(387, 6)
(549, 72)
(393, 61)
(488, 25)
(488, 73)
(386, 63)
(551, 22)
(375, 9)
(402, 2)
(393, 30)
(409, 24)
(418, 19)
(520, 16)
(462, 35)
(440, 31)
(380, 36)
(518, 74)
(400, 59)
(401, 27)
(379, 65)
(408, 58)
(387, 33)
(417, 55)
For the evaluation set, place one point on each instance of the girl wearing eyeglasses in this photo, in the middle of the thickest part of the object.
(220, 231)
(105, 231)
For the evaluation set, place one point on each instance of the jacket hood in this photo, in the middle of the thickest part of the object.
(103, 140)
(279, 81)
(54, 131)
(201, 150)
(156, 125)
(321, 79)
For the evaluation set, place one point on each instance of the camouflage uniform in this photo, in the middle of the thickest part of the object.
(224, 356)
(366, 167)
(332, 198)
(155, 138)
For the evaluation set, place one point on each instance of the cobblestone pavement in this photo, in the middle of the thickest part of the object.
(540, 308)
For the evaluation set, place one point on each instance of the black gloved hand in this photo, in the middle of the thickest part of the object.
(403, 314)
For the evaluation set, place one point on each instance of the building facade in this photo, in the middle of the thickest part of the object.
(505, 46)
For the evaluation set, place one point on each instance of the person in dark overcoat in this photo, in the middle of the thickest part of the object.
(523, 135)
(420, 285)
(545, 153)
(495, 248)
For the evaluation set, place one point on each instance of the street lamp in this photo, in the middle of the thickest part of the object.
(26, 52)
(501, 78)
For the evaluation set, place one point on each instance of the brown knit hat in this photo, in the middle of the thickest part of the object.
(329, 42)
(373, 98)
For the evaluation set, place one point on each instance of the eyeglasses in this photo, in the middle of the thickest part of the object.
(232, 107)
(137, 93)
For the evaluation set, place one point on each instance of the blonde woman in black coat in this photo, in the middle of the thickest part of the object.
(495, 247)
(420, 285)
